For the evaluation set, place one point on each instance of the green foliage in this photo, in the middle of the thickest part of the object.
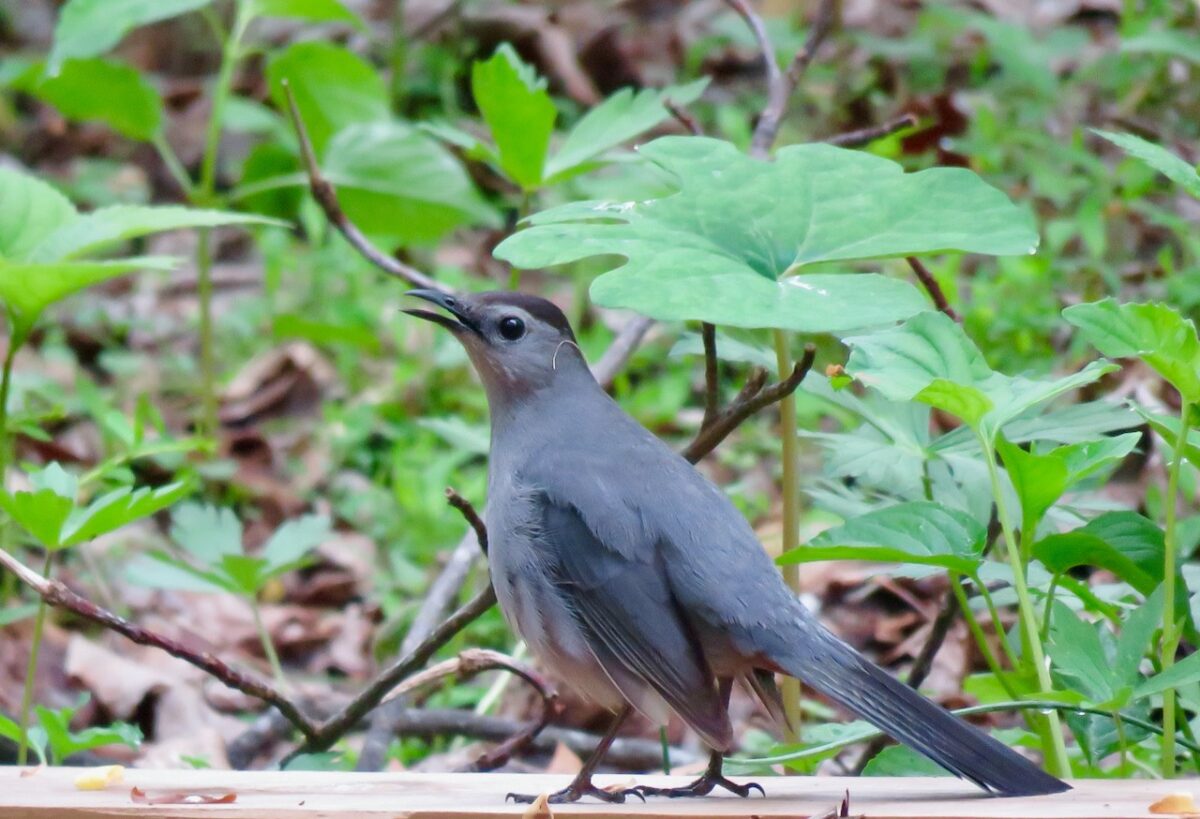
(1168, 164)
(731, 247)
(111, 92)
(89, 27)
(53, 740)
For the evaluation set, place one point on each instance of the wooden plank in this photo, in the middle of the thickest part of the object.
(51, 792)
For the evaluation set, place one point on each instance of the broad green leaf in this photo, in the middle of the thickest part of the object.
(519, 113)
(41, 513)
(930, 359)
(317, 11)
(1160, 159)
(395, 181)
(89, 27)
(57, 480)
(920, 532)
(1077, 654)
(1167, 428)
(206, 532)
(333, 88)
(619, 118)
(119, 507)
(160, 570)
(105, 227)
(899, 760)
(1156, 333)
(56, 722)
(726, 246)
(27, 289)
(247, 573)
(9, 729)
(110, 92)
(1184, 672)
(292, 541)
(29, 211)
(1135, 638)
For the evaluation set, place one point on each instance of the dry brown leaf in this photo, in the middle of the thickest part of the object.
(141, 797)
(539, 808)
(1177, 804)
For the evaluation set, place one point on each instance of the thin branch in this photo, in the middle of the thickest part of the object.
(781, 86)
(746, 405)
(853, 139)
(685, 119)
(326, 197)
(58, 595)
(712, 384)
(931, 286)
(472, 517)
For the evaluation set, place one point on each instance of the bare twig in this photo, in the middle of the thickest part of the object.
(712, 384)
(472, 517)
(326, 197)
(745, 405)
(685, 119)
(58, 595)
(781, 85)
(931, 286)
(852, 139)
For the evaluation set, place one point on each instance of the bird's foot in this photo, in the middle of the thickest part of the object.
(702, 787)
(576, 791)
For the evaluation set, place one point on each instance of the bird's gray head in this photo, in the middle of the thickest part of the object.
(519, 344)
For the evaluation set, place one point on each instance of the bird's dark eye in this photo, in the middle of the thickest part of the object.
(511, 328)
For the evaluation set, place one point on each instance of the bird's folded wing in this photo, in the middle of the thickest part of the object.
(627, 610)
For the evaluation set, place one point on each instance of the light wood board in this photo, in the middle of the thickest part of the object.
(51, 792)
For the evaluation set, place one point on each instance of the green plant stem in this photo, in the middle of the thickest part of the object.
(229, 57)
(989, 657)
(790, 688)
(5, 383)
(173, 165)
(35, 647)
(1170, 634)
(208, 362)
(997, 624)
(666, 750)
(268, 646)
(1054, 746)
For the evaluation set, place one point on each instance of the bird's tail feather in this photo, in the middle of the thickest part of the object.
(846, 677)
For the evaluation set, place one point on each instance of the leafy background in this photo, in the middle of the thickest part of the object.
(244, 443)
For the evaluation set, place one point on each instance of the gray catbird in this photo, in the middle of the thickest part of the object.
(637, 582)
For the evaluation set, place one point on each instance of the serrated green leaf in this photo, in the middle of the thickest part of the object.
(160, 570)
(293, 541)
(1156, 333)
(619, 118)
(106, 91)
(1160, 159)
(206, 532)
(518, 111)
(395, 181)
(29, 211)
(118, 508)
(333, 88)
(1075, 650)
(41, 513)
(247, 573)
(1135, 638)
(921, 532)
(725, 247)
(86, 28)
(63, 742)
(105, 227)
(317, 11)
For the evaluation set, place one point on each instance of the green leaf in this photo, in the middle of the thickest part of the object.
(105, 227)
(395, 181)
(1184, 672)
(1078, 656)
(930, 359)
(292, 542)
(898, 760)
(317, 11)
(28, 289)
(1125, 543)
(724, 248)
(44, 511)
(89, 27)
(105, 91)
(206, 532)
(29, 211)
(921, 532)
(1160, 159)
(619, 118)
(118, 508)
(1182, 44)
(1156, 333)
(1137, 632)
(519, 113)
(63, 742)
(333, 88)
(160, 570)
(246, 573)
(10, 730)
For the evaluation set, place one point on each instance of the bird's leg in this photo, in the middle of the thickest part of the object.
(581, 785)
(712, 778)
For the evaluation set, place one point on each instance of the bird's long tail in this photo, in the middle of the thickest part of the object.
(846, 677)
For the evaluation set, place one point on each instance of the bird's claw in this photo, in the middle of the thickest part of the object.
(576, 791)
(702, 787)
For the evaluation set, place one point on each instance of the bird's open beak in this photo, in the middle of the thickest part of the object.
(447, 302)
